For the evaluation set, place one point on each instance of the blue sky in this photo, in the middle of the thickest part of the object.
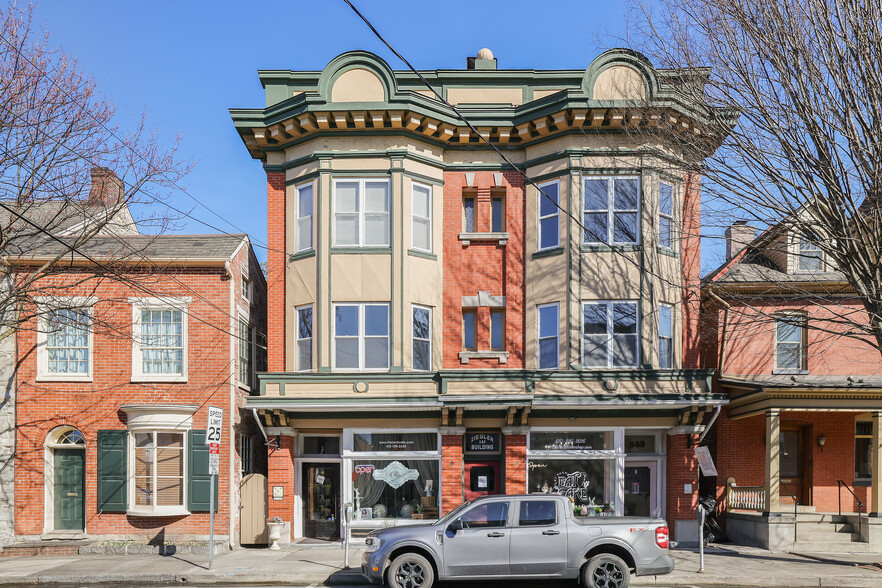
(185, 63)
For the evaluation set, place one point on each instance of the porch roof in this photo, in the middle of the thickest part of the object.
(754, 396)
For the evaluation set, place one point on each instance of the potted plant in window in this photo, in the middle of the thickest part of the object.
(275, 525)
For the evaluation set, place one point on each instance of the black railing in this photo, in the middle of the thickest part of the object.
(860, 504)
(795, 508)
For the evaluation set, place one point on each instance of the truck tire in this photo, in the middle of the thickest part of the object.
(410, 570)
(606, 571)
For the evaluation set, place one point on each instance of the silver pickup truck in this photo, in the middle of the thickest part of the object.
(518, 537)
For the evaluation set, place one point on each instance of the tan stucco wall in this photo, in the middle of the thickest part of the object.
(345, 390)
(358, 85)
(513, 96)
(537, 94)
(619, 83)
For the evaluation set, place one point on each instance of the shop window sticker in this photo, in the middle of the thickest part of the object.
(395, 474)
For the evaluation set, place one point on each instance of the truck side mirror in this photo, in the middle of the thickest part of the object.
(455, 526)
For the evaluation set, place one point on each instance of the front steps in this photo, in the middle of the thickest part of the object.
(824, 533)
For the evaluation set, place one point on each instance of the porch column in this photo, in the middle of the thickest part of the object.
(876, 465)
(773, 460)
(515, 459)
(451, 468)
(280, 477)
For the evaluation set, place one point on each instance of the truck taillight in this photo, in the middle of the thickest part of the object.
(661, 537)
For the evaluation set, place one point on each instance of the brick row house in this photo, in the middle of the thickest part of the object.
(131, 339)
(801, 431)
(442, 327)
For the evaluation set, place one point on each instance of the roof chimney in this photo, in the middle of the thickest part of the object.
(737, 238)
(484, 60)
(106, 188)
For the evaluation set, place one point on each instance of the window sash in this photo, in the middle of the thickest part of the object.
(421, 217)
(606, 222)
(811, 258)
(618, 344)
(497, 330)
(159, 470)
(245, 345)
(497, 215)
(162, 341)
(68, 342)
(548, 348)
(468, 212)
(421, 358)
(367, 224)
(790, 343)
(666, 215)
(469, 330)
(549, 215)
(665, 336)
(362, 345)
(304, 338)
(305, 207)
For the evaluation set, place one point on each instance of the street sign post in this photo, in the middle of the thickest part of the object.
(213, 438)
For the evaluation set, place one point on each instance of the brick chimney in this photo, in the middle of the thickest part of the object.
(737, 237)
(106, 188)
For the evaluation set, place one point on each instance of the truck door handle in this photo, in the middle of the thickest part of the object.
(496, 534)
(551, 532)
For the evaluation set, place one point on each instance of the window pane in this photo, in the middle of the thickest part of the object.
(594, 351)
(596, 194)
(789, 356)
(421, 355)
(305, 203)
(346, 197)
(304, 322)
(626, 194)
(422, 234)
(595, 440)
(666, 353)
(321, 445)
(346, 229)
(547, 204)
(548, 353)
(421, 201)
(496, 224)
(625, 227)
(496, 330)
(594, 319)
(537, 512)
(376, 352)
(390, 497)
(376, 197)
(347, 352)
(789, 331)
(624, 318)
(304, 354)
(304, 233)
(421, 323)
(468, 330)
(640, 443)
(664, 232)
(468, 206)
(366, 442)
(596, 228)
(665, 320)
(665, 199)
(586, 481)
(376, 229)
(376, 320)
(548, 232)
(624, 350)
(346, 321)
(548, 324)
(863, 454)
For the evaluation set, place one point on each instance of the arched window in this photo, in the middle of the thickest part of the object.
(66, 437)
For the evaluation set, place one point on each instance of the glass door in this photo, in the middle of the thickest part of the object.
(641, 489)
(321, 500)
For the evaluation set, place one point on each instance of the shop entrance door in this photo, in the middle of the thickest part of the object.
(795, 464)
(483, 478)
(321, 500)
(641, 495)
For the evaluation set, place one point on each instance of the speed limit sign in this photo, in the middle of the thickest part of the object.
(215, 424)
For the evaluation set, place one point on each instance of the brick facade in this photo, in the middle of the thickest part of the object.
(515, 464)
(682, 470)
(280, 472)
(451, 472)
(275, 269)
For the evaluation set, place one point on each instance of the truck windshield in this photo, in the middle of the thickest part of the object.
(454, 513)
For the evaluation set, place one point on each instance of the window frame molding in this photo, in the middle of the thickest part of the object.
(131, 486)
(610, 208)
(44, 305)
(610, 334)
(361, 336)
(413, 217)
(362, 182)
(298, 338)
(413, 339)
(539, 307)
(140, 304)
(672, 247)
(297, 218)
(539, 218)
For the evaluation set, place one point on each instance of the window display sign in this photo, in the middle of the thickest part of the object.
(585, 481)
(392, 442)
(482, 443)
(580, 441)
(393, 489)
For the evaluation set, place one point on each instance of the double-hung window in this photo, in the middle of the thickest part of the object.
(361, 337)
(160, 339)
(65, 344)
(361, 213)
(497, 329)
(497, 215)
(790, 342)
(665, 215)
(549, 327)
(422, 338)
(811, 258)
(421, 213)
(246, 345)
(549, 215)
(468, 214)
(609, 334)
(304, 217)
(469, 330)
(611, 210)
(665, 336)
(304, 338)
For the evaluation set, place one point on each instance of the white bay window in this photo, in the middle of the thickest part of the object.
(361, 213)
(361, 337)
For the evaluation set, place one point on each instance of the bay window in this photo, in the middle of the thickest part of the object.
(361, 336)
(304, 338)
(609, 334)
(159, 470)
(549, 215)
(304, 217)
(421, 213)
(549, 328)
(611, 210)
(422, 338)
(361, 213)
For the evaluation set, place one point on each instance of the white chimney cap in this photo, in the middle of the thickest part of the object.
(485, 54)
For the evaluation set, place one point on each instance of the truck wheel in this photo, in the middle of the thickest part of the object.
(606, 571)
(411, 570)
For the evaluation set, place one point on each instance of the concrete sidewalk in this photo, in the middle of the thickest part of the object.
(729, 566)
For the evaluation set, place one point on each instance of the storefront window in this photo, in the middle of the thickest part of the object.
(640, 444)
(390, 442)
(321, 445)
(587, 481)
(393, 489)
(567, 441)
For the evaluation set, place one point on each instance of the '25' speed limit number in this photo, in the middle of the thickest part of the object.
(215, 424)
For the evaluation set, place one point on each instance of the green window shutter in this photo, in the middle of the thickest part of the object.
(112, 470)
(198, 480)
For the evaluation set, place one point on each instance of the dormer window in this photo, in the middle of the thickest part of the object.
(810, 256)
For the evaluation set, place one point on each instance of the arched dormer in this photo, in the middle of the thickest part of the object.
(357, 76)
(620, 74)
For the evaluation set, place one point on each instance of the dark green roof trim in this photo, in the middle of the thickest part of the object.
(423, 254)
(302, 255)
(548, 253)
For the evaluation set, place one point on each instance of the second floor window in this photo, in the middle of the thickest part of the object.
(160, 333)
(665, 215)
(609, 334)
(246, 344)
(665, 336)
(548, 336)
(68, 342)
(469, 330)
(304, 339)
(422, 338)
(361, 336)
(549, 219)
(611, 206)
(497, 330)
(304, 217)
(421, 229)
(790, 342)
(497, 215)
(361, 213)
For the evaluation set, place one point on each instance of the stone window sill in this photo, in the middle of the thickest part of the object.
(467, 238)
(790, 372)
(465, 356)
(169, 511)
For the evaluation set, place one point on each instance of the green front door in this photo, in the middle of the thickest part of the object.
(69, 489)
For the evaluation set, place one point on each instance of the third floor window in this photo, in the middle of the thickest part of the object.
(665, 215)
(421, 212)
(611, 210)
(361, 213)
(304, 217)
(549, 227)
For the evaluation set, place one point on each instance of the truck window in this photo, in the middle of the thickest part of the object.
(493, 514)
(537, 512)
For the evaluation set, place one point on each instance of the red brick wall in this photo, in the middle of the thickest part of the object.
(280, 472)
(682, 468)
(94, 406)
(484, 266)
(275, 269)
(690, 245)
(515, 464)
(451, 472)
